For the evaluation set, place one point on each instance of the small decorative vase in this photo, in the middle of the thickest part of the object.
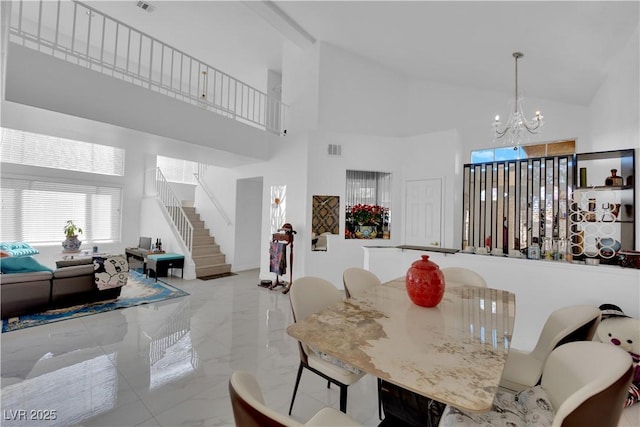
(614, 179)
(366, 231)
(71, 244)
(425, 283)
(607, 247)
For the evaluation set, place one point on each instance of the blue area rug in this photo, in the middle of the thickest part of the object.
(138, 290)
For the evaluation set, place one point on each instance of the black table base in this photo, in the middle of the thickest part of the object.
(404, 408)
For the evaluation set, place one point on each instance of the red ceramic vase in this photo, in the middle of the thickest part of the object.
(425, 283)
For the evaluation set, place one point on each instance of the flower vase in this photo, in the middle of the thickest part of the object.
(71, 244)
(366, 231)
(425, 283)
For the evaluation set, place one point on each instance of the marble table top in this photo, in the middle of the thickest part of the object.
(453, 353)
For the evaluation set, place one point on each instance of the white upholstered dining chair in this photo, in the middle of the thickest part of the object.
(249, 409)
(309, 295)
(462, 276)
(584, 383)
(573, 323)
(357, 280)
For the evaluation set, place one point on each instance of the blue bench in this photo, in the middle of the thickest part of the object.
(160, 264)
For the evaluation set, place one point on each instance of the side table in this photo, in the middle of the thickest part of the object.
(160, 264)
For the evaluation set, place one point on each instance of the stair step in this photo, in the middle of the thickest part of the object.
(204, 250)
(211, 259)
(203, 240)
(200, 232)
(213, 269)
(197, 224)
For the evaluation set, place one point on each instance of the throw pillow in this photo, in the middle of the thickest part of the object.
(21, 265)
(110, 272)
(18, 249)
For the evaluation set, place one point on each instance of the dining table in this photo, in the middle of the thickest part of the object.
(453, 353)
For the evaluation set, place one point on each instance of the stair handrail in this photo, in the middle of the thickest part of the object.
(159, 66)
(173, 207)
(213, 199)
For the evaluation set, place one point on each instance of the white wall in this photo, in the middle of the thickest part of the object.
(184, 192)
(436, 107)
(300, 70)
(615, 110)
(359, 96)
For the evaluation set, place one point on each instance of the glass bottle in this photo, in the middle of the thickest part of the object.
(533, 251)
(547, 248)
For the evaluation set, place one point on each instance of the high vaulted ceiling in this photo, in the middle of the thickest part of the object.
(568, 45)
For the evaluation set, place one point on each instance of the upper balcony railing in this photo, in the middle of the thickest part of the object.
(80, 34)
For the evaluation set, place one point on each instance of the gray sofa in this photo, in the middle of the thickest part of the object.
(76, 285)
(26, 293)
(23, 293)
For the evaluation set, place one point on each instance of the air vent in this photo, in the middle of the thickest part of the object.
(334, 150)
(145, 6)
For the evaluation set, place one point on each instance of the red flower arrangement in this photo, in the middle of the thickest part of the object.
(367, 215)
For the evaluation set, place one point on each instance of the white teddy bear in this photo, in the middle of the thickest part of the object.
(619, 329)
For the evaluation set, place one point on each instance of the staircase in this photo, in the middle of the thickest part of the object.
(206, 253)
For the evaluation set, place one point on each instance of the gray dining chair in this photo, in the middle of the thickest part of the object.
(309, 295)
(357, 280)
(584, 383)
(567, 324)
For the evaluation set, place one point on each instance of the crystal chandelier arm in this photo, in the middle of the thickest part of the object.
(517, 123)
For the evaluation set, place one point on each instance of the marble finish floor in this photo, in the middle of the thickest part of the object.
(168, 364)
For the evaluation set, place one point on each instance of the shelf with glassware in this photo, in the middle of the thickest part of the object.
(602, 217)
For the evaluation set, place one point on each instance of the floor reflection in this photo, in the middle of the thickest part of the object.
(62, 390)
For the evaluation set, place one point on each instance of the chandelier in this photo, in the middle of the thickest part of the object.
(517, 127)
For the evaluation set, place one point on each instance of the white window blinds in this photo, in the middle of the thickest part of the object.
(32, 149)
(36, 211)
(178, 170)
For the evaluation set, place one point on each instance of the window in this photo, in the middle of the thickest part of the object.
(499, 154)
(35, 209)
(178, 170)
(368, 198)
(32, 149)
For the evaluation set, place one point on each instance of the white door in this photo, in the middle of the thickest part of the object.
(423, 207)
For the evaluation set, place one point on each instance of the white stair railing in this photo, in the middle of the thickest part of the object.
(174, 209)
(82, 35)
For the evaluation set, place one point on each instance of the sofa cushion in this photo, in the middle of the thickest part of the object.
(21, 265)
(38, 276)
(18, 249)
(73, 271)
(75, 261)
